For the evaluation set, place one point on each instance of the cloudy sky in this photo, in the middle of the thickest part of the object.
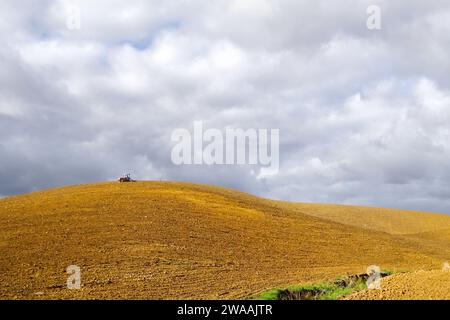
(364, 115)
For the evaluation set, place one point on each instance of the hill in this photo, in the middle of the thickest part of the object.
(166, 240)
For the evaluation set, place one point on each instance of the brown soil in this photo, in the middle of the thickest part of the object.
(419, 285)
(155, 240)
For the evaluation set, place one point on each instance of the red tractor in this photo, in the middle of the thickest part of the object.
(126, 178)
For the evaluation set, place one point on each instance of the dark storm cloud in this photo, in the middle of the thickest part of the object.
(363, 115)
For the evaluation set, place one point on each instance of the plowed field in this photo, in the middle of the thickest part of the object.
(163, 240)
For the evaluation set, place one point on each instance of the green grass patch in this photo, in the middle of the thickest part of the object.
(335, 290)
(320, 291)
(269, 295)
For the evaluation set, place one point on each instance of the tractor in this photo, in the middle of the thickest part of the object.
(126, 178)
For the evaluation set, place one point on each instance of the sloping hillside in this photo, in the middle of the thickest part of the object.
(387, 220)
(162, 240)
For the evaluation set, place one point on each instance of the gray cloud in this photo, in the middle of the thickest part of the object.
(363, 115)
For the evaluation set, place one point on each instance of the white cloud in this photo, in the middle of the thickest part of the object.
(363, 116)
